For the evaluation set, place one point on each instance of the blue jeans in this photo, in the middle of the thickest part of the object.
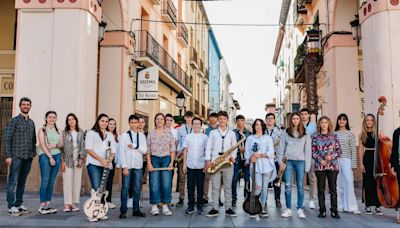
(246, 171)
(48, 175)
(95, 173)
(133, 180)
(298, 167)
(19, 171)
(160, 181)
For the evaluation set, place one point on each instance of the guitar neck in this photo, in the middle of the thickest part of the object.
(103, 181)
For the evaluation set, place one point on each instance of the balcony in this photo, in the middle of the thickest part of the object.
(193, 58)
(151, 53)
(168, 13)
(300, 62)
(182, 34)
(204, 112)
(201, 71)
(196, 107)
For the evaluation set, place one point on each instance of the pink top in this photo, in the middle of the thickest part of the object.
(160, 145)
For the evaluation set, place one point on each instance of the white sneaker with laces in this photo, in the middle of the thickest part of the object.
(111, 206)
(92, 219)
(357, 212)
(287, 213)
(13, 211)
(311, 205)
(166, 211)
(155, 211)
(23, 210)
(300, 213)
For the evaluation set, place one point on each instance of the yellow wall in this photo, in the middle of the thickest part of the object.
(7, 25)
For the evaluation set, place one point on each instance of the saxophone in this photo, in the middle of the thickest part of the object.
(221, 161)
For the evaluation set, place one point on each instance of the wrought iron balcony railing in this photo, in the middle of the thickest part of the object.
(169, 10)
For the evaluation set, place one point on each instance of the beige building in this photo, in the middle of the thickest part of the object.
(86, 56)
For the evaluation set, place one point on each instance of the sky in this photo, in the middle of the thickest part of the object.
(248, 51)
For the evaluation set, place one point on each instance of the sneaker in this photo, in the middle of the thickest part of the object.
(357, 212)
(252, 216)
(14, 211)
(166, 211)
(300, 213)
(322, 214)
(130, 202)
(287, 213)
(122, 216)
(43, 210)
(264, 213)
(213, 213)
(335, 214)
(23, 210)
(155, 211)
(189, 210)
(180, 203)
(74, 208)
(92, 219)
(51, 209)
(311, 205)
(230, 213)
(105, 217)
(138, 213)
(200, 211)
(111, 205)
(67, 208)
(205, 202)
(378, 211)
(170, 204)
(340, 210)
(368, 211)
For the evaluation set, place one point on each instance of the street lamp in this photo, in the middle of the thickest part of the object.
(313, 41)
(102, 29)
(356, 30)
(180, 102)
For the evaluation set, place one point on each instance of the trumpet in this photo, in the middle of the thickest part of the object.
(280, 173)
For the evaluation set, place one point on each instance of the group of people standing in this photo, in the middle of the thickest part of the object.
(324, 153)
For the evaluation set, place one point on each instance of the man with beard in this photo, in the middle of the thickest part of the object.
(19, 143)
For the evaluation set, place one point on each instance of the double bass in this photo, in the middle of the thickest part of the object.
(386, 181)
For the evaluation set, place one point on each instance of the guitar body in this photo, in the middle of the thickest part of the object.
(93, 207)
(252, 204)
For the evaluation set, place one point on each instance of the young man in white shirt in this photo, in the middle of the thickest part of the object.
(311, 129)
(132, 147)
(220, 140)
(194, 151)
(183, 131)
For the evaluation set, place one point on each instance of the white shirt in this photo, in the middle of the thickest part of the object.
(174, 133)
(94, 142)
(214, 143)
(196, 144)
(183, 131)
(132, 158)
(265, 146)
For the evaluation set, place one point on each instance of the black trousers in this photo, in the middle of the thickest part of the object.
(195, 181)
(331, 176)
(277, 190)
(109, 184)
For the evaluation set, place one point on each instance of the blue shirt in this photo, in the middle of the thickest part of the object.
(311, 128)
(183, 131)
(209, 129)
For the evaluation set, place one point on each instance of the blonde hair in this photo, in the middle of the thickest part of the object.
(364, 131)
(330, 126)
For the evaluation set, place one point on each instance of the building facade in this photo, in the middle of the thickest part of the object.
(86, 57)
(214, 75)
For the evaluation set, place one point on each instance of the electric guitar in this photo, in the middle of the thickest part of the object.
(252, 204)
(96, 207)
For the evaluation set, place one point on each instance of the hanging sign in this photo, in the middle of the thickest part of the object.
(147, 84)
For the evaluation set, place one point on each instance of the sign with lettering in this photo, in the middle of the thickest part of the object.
(147, 84)
(7, 85)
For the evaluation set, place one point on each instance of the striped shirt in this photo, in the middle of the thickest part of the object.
(347, 142)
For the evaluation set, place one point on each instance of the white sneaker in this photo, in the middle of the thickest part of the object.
(112, 206)
(340, 210)
(104, 217)
(130, 202)
(23, 210)
(154, 211)
(166, 211)
(13, 211)
(287, 213)
(92, 219)
(300, 213)
(357, 212)
(311, 205)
